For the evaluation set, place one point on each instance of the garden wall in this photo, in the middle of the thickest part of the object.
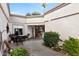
(64, 20)
(3, 20)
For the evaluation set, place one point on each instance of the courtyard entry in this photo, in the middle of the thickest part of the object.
(37, 31)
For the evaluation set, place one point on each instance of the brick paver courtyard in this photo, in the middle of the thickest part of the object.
(36, 48)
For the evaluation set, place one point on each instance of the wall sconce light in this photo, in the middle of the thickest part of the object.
(7, 28)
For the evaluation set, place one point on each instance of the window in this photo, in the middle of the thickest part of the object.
(18, 31)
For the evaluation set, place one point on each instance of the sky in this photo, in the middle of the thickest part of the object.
(24, 8)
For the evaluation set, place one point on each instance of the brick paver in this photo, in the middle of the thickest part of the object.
(36, 48)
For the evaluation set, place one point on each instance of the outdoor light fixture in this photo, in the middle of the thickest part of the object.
(7, 28)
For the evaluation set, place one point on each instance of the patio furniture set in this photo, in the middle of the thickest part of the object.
(18, 38)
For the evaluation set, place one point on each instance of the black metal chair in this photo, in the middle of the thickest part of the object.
(18, 39)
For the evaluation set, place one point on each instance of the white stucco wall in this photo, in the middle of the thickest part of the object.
(35, 20)
(5, 8)
(10, 27)
(14, 19)
(69, 9)
(30, 31)
(25, 22)
(3, 23)
(67, 26)
(18, 21)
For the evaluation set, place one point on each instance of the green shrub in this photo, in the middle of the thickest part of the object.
(19, 52)
(51, 39)
(71, 46)
(57, 49)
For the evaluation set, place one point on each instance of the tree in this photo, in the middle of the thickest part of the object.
(44, 5)
(28, 14)
(35, 13)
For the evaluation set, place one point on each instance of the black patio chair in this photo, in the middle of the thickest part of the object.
(13, 37)
(18, 39)
(23, 38)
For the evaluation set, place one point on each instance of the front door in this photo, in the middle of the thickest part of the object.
(38, 31)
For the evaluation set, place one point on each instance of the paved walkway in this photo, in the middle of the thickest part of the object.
(36, 48)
